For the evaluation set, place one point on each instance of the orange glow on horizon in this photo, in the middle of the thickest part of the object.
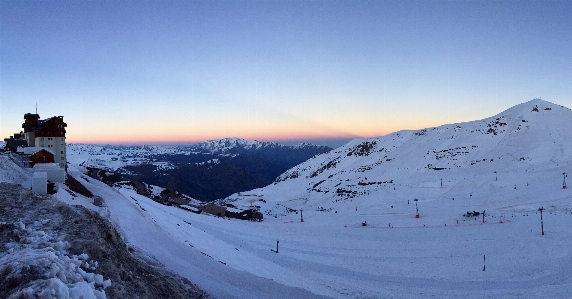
(119, 140)
(188, 133)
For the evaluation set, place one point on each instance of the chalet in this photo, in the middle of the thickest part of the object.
(37, 155)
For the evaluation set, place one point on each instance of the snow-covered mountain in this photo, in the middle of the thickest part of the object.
(117, 157)
(360, 237)
(237, 145)
(527, 143)
(198, 170)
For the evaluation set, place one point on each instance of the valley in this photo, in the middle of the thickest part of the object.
(198, 170)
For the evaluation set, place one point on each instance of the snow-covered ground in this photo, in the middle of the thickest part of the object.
(396, 255)
(49, 249)
(149, 226)
(38, 258)
(441, 254)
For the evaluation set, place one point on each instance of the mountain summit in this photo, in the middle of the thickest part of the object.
(225, 145)
(238, 145)
(529, 142)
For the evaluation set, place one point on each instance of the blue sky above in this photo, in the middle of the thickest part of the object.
(188, 71)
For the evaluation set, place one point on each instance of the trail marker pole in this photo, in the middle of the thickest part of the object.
(441, 183)
(277, 246)
(564, 184)
(416, 208)
(483, 216)
(301, 216)
(541, 221)
(484, 262)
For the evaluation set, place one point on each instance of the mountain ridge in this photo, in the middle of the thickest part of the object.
(205, 171)
(531, 135)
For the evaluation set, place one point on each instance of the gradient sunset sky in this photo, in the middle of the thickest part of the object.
(129, 72)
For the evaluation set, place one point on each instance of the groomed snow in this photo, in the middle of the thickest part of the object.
(395, 255)
(146, 225)
(442, 254)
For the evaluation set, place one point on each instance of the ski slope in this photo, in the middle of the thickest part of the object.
(396, 255)
(450, 169)
(148, 226)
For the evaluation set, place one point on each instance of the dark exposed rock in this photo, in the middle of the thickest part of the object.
(75, 186)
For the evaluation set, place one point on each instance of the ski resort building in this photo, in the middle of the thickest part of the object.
(43, 141)
(48, 133)
(214, 210)
(37, 154)
(15, 141)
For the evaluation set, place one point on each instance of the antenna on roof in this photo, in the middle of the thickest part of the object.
(36, 108)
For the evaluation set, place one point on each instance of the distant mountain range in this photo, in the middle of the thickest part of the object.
(528, 143)
(206, 171)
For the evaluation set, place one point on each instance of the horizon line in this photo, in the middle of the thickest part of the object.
(290, 141)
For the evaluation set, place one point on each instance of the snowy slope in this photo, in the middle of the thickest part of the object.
(35, 260)
(116, 157)
(441, 254)
(517, 146)
(49, 249)
(178, 239)
(12, 171)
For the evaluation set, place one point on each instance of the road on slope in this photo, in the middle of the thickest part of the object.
(216, 279)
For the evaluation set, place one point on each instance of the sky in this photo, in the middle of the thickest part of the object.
(176, 72)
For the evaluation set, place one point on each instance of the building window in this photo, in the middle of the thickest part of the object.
(62, 152)
(50, 138)
(61, 158)
(42, 139)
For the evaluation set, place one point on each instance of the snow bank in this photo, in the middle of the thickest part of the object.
(38, 263)
(11, 172)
